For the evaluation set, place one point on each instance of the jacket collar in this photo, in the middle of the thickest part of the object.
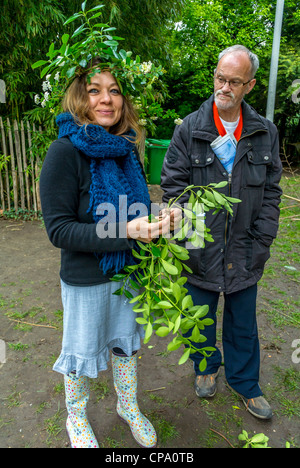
(205, 128)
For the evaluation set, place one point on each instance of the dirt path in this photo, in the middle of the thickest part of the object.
(32, 409)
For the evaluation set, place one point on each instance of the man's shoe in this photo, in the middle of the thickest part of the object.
(206, 385)
(258, 406)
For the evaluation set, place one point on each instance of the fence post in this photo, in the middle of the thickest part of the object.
(5, 153)
(19, 164)
(25, 166)
(13, 167)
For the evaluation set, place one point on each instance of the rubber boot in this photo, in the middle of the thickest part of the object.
(79, 430)
(125, 382)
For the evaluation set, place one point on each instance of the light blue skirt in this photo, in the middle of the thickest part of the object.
(95, 321)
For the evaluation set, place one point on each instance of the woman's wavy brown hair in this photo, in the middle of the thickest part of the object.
(76, 101)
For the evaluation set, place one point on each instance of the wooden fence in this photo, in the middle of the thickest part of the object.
(19, 169)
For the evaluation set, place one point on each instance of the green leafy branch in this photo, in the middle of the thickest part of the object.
(156, 284)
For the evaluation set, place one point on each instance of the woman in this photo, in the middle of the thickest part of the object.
(87, 171)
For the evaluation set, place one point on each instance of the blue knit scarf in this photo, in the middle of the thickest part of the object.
(115, 171)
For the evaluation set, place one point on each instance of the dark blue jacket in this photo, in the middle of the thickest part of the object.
(236, 258)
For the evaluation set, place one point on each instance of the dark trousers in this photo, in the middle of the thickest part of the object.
(240, 338)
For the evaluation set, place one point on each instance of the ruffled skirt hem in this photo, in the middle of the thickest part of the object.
(90, 367)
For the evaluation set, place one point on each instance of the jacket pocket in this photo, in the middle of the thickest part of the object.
(257, 253)
(201, 171)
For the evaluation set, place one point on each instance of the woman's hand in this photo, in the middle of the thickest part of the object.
(141, 229)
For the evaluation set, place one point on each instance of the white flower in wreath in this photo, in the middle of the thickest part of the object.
(143, 122)
(46, 86)
(146, 67)
(178, 121)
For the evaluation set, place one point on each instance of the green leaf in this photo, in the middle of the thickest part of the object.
(233, 200)
(79, 30)
(38, 64)
(118, 277)
(141, 320)
(195, 334)
(128, 294)
(65, 38)
(111, 43)
(171, 269)
(136, 299)
(45, 70)
(207, 321)
(95, 8)
(219, 198)
(173, 345)
(220, 184)
(162, 331)
(176, 291)
(185, 356)
(71, 72)
(83, 63)
(187, 302)
(123, 54)
(259, 438)
(96, 15)
(163, 305)
(155, 250)
(51, 53)
(135, 254)
(148, 332)
(72, 18)
(203, 365)
(187, 268)
(177, 324)
(134, 284)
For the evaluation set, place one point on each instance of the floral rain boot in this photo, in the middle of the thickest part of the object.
(78, 428)
(125, 381)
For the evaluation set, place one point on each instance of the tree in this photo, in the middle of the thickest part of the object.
(24, 25)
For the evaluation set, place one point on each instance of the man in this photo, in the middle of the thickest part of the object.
(234, 262)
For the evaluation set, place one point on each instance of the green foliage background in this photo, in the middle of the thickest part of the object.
(185, 36)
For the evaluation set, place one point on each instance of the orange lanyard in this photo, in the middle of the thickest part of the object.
(220, 126)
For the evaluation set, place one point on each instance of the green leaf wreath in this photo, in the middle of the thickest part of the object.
(140, 80)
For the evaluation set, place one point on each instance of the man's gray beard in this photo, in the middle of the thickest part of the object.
(224, 105)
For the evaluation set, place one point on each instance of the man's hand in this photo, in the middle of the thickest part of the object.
(175, 216)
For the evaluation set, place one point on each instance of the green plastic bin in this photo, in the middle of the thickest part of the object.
(155, 152)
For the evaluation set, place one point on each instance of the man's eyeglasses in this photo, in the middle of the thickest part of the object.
(232, 83)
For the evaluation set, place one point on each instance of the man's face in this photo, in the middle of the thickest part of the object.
(236, 68)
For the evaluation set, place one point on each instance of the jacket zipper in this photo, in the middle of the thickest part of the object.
(227, 214)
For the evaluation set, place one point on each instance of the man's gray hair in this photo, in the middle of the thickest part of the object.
(240, 48)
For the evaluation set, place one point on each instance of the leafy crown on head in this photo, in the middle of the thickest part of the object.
(140, 80)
